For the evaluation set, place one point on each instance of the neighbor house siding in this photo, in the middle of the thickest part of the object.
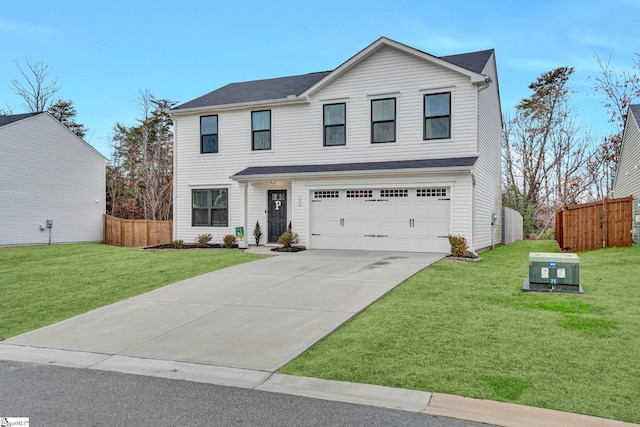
(488, 191)
(628, 173)
(46, 172)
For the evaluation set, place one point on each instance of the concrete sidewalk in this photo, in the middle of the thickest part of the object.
(237, 326)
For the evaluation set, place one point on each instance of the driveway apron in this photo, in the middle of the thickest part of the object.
(259, 315)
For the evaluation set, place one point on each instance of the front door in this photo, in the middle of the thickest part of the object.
(277, 214)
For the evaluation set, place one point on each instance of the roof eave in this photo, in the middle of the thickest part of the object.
(290, 100)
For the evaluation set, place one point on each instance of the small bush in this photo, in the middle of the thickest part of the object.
(177, 244)
(203, 240)
(257, 233)
(288, 239)
(229, 240)
(458, 245)
(548, 235)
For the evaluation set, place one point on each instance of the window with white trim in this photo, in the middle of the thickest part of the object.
(209, 134)
(209, 208)
(383, 120)
(335, 124)
(437, 116)
(261, 130)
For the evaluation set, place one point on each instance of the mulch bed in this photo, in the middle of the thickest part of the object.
(291, 249)
(186, 246)
(468, 257)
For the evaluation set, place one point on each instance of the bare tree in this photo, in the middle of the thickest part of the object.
(545, 153)
(35, 88)
(620, 89)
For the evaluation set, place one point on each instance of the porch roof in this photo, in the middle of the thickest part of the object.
(263, 172)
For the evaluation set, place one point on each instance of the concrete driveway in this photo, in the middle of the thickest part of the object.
(256, 316)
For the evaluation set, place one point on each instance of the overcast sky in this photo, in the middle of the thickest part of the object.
(103, 53)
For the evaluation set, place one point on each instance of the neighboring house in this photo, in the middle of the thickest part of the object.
(393, 150)
(627, 181)
(48, 173)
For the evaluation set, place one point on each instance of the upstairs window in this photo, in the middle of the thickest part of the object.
(383, 120)
(437, 116)
(335, 123)
(261, 130)
(209, 134)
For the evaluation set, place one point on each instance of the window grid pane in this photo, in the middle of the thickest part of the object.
(334, 135)
(262, 140)
(261, 120)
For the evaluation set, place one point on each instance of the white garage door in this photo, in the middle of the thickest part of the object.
(398, 219)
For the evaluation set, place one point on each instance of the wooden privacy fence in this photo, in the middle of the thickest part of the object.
(595, 225)
(136, 232)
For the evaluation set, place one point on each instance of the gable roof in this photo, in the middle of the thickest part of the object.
(282, 88)
(5, 120)
(635, 111)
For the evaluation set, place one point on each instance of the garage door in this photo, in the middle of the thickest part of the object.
(399, 219)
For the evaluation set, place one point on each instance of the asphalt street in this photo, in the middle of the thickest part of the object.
(55, 395)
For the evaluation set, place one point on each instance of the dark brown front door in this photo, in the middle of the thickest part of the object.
(277, 214)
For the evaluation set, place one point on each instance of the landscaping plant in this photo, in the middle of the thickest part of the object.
(203, 240)
(257, 233)
(229, 240)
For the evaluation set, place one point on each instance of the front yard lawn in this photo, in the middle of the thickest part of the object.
(41, 285)
(468, 329)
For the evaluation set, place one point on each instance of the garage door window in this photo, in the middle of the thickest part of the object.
(431, 192)
(394, 193)
(359, 193)
(326, 194)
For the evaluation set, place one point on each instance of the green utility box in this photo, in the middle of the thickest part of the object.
(553, 272)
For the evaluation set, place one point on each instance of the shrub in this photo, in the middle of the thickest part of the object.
(458, 245)
(288, 239)
(203, 240)
(257, 233)
(177, 244)
(229, 240)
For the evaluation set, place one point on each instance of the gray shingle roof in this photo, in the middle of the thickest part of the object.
(350, 167)
(5, 120)
(280, 88)
(257, 90)
(473, 61)
(635, 110)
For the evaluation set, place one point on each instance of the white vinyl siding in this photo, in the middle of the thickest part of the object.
(628, 174)
(46, 172)
(488, 199)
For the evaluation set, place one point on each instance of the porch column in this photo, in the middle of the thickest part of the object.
(243, 243)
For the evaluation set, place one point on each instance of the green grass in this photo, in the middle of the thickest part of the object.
(467, 329)
(41, 285)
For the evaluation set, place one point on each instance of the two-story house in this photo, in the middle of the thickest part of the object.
(52, 183)
(395, 149)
